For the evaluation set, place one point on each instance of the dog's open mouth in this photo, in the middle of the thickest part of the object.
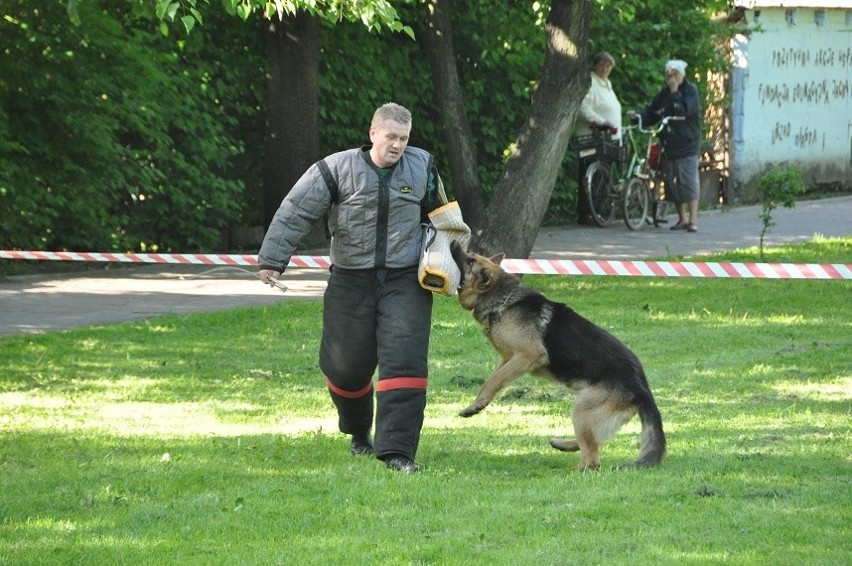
(461, 279)
(458, 257)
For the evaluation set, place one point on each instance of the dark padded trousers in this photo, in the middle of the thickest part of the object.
(378, 318)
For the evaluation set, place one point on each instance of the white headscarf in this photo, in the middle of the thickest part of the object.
(678, 65)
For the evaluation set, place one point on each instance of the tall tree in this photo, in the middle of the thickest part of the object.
(526, 183)
(292, 139)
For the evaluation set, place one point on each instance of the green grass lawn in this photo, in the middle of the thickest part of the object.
(210, 439)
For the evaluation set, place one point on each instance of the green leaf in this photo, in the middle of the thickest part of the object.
(73, 12)
(173, 9)
(244, 11)
(188, 23)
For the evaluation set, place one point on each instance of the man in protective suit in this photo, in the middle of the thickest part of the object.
(375, 313)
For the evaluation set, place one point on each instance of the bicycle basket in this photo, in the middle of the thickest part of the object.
(612, 149)
(585, 145)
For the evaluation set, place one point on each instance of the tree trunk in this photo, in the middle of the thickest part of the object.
(526, 183)
(437, 43)
(292, 129)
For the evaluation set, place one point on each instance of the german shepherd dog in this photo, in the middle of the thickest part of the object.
(535, 335)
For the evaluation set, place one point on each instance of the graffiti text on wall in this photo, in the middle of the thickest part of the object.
(823, 91)
(813, 92)
(791, 57)
(833, 91)
(805, 137)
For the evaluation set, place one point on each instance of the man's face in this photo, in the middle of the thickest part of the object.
(389, 140)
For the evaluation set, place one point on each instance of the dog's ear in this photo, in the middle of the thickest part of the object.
(485, 280)
(497, 259)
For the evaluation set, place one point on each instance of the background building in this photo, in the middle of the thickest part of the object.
(791, 99)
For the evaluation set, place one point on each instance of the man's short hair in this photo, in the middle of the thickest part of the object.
(391, 111)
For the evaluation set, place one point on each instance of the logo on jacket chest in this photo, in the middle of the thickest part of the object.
(406, 190)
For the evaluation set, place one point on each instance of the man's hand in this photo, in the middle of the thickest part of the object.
(270, 277)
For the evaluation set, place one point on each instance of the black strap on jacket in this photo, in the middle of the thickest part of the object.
(330, 181)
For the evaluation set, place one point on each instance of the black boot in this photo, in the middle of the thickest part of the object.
(361, 445)
(402, 464)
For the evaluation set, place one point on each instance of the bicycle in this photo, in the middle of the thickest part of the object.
(651, 173)
(626, 175)
(607, 152)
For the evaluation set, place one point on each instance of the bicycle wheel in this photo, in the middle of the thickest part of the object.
(600, 193)
(635, 203)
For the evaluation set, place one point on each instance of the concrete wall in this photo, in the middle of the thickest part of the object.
(792, 96)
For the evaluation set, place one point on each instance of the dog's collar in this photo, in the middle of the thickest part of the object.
(494, 315)
(510, 299)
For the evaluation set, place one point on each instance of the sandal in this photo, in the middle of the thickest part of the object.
(679, 226)
(692, 228)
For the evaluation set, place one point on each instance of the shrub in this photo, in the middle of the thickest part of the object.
(778, 187)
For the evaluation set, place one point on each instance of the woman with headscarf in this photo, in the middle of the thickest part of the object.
(680, 140)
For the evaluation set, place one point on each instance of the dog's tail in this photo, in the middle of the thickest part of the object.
(653, 440)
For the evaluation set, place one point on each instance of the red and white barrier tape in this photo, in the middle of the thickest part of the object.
(633, 268)
(201, 259)
(708, 269)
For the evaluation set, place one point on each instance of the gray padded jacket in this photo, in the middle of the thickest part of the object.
(373, 223)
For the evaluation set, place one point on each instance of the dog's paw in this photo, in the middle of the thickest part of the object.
(470, 411)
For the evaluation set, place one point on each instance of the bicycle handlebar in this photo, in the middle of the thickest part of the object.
(663, 123)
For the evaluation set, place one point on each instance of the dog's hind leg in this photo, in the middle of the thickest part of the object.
(598, 414)
(590, 458)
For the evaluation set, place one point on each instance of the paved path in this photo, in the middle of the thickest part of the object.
(40, 303)
(718, 230)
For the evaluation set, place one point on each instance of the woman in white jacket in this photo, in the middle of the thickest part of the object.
(600, 108)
